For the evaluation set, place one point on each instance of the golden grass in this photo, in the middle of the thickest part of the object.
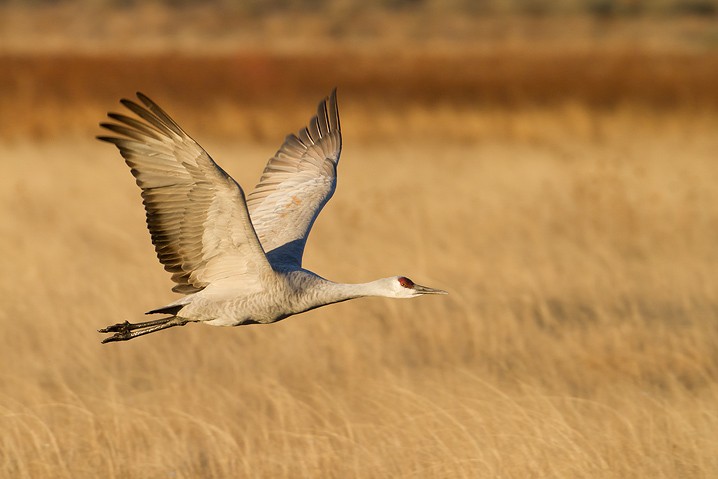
(578, 339)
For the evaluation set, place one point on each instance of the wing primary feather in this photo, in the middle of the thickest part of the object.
(124, 130)
(148, 117)
(164, 117)
(333, 112)
(136, 124)
(323, 119)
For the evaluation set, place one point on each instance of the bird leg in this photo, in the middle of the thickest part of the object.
(126, 331)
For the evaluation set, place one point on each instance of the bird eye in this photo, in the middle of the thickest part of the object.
(406, 282)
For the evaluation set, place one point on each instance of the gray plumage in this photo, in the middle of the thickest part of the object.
(236, 261)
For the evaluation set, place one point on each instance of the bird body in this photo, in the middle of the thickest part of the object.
(283, 294)
(237, 259)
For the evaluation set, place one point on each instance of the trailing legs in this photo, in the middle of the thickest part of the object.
(126, 331)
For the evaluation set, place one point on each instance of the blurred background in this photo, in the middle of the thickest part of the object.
(551, 164)
(395, 57)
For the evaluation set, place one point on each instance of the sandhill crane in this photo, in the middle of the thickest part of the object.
(236, 261)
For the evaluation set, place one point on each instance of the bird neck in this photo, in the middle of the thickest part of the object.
(337, 292)
(317, 291)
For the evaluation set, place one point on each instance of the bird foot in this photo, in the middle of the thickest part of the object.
(122, 332)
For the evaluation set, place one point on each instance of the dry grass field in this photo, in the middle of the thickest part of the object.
(574, 224)
(579, 338)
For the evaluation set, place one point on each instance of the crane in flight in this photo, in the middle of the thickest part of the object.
(237, 260)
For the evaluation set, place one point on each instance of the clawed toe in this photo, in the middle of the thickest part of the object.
(116, 328)
(121, 336)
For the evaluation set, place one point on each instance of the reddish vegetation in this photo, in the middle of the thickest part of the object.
(49, 84)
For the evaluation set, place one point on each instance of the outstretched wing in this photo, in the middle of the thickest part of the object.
(196, 213)
(296, 184)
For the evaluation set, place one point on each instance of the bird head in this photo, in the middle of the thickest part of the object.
(403, 287)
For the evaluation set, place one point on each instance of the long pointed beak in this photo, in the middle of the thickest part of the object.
(426, 290)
